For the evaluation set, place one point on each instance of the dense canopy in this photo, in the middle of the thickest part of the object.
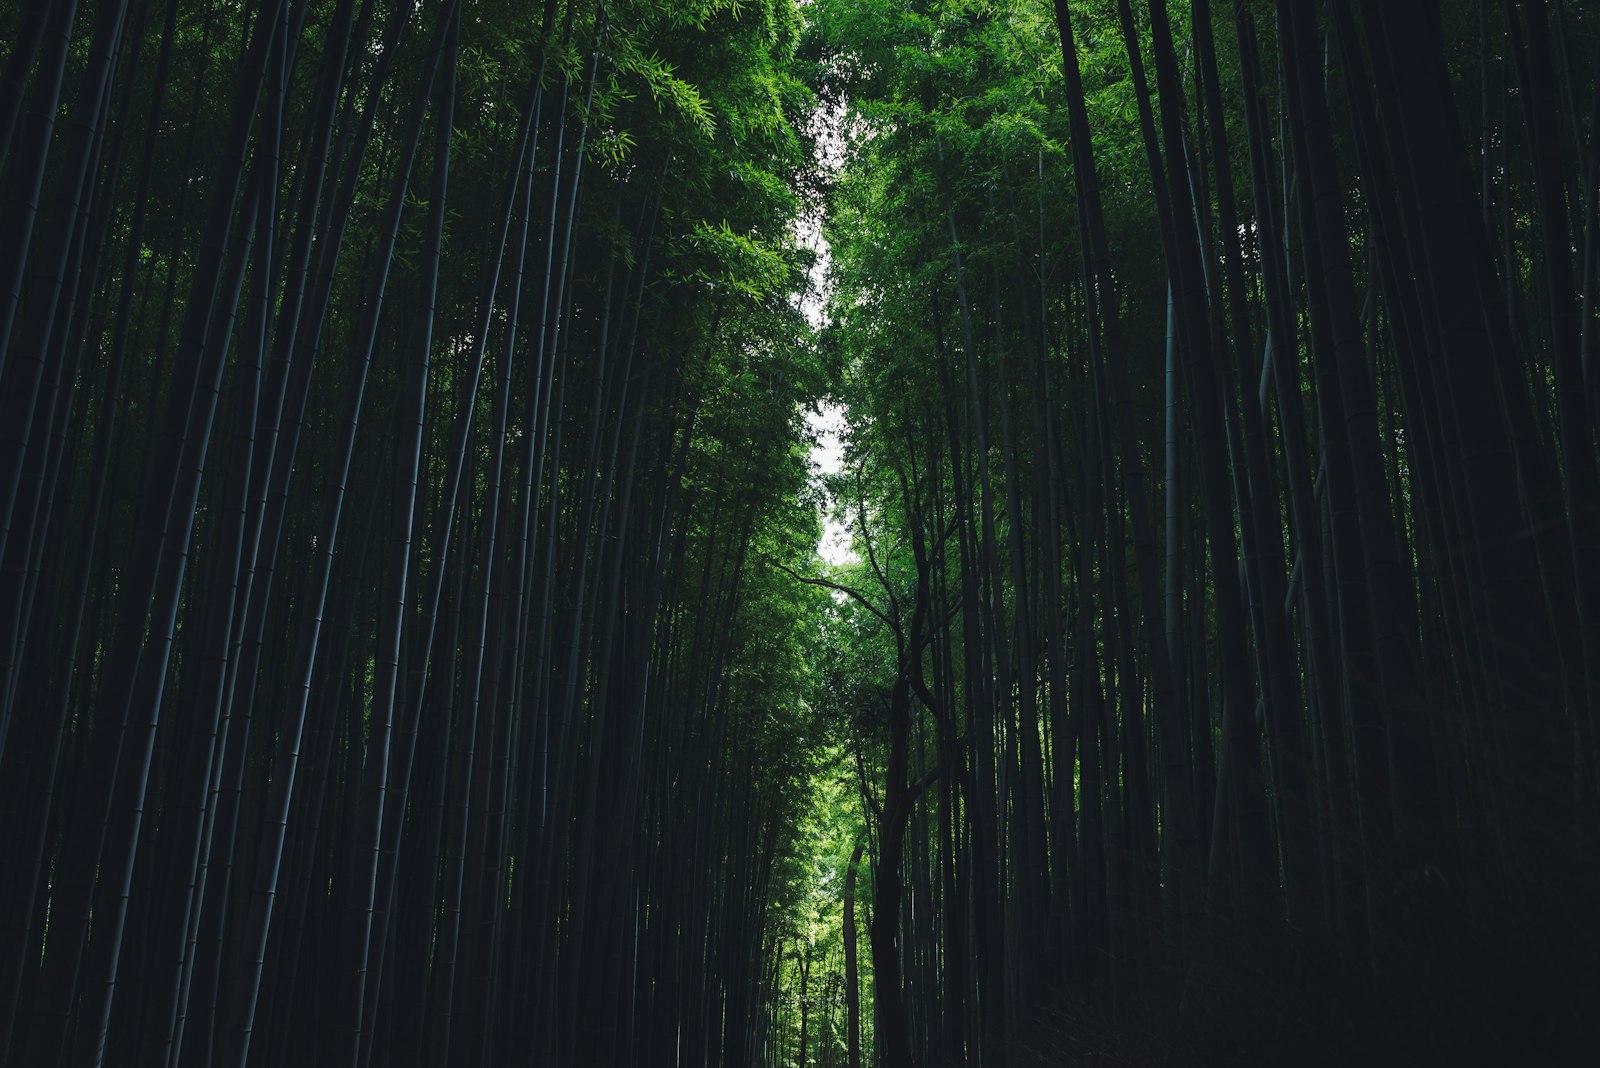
(760, 532)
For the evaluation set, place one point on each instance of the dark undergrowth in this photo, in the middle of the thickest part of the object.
(1453, 969)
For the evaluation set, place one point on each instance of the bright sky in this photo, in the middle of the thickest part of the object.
(827, 456)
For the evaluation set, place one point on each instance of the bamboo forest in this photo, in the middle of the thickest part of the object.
(799, 533)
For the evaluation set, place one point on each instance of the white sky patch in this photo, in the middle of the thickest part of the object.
(818, 285)
(827, 424)
(827, 458)
(827, 127)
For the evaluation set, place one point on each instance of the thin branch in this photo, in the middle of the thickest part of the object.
(866, 788)
(846, 590)
(866, 537)
(915, 790)
(920, 686)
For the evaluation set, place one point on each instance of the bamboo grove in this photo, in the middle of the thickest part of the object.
(395, 398)
(1221, 391)
(414, 644)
